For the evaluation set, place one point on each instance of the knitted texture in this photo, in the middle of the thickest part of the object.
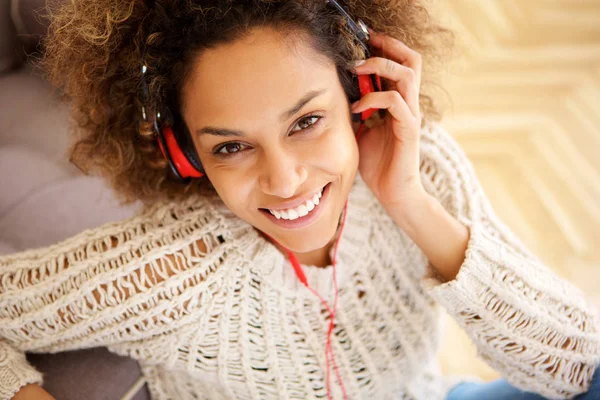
(212, 310)
(15, 371)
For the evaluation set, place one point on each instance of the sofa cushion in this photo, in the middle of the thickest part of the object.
(6, 248)
(24, 171)
(33, 116)
(91, 374)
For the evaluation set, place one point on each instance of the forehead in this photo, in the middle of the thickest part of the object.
(255, 77)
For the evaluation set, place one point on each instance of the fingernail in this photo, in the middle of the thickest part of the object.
(358, 63)
(354, 105)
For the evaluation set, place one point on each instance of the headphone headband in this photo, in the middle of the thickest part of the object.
(358, 27)
(155, 117)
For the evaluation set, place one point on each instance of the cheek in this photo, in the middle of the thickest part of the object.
(233, 191)
(340, 152)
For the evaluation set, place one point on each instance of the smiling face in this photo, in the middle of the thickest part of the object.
(271, 124)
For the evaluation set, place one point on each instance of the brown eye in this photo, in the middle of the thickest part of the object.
(308, 123)
(229, 149)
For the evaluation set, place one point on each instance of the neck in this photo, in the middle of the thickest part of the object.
(319, 257)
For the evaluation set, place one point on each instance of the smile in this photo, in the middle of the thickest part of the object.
(301, 210)
(302, 215)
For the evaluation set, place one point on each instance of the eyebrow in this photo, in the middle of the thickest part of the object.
(211, 130)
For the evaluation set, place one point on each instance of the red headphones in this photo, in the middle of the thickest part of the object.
(184, 161)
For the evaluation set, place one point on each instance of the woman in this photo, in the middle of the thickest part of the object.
(304, 255)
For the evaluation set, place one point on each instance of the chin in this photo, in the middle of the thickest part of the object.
(309, 241)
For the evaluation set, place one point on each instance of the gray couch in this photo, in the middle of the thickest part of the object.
(44, 199)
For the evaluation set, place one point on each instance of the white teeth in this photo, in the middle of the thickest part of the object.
(299, 211)
(302, 210)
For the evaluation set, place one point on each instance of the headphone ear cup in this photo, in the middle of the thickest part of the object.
(182, 164)
(186, 144)
(192, 156)
(368, 84)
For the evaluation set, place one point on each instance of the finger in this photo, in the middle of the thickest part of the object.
(390, 100)
(403, 77)
(398, 51)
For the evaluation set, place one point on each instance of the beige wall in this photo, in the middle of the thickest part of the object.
(526, 94)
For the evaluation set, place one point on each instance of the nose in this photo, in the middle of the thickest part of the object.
(281, 174)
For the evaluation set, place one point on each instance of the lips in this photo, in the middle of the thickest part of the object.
(300, 221)
(288, 205)
(300, 210)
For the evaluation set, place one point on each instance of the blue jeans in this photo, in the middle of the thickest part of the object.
(501, 390)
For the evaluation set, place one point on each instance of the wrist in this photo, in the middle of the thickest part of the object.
(441, 237)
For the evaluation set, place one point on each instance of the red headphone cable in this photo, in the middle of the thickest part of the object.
(302, 278)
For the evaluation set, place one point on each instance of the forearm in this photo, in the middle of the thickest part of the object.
(441, 237)
(33, 391)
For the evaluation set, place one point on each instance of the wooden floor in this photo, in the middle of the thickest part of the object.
(526, 94)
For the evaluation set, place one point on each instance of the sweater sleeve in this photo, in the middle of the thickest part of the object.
(107, 286)
(15, 371)
(534, 328)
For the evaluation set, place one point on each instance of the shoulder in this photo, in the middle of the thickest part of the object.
(170, 211)
(166, 230)
(172, 241)
(199, 220)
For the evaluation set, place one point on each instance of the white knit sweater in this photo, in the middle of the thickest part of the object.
(235, 323)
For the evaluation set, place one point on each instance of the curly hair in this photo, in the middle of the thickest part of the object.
(93, 50)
